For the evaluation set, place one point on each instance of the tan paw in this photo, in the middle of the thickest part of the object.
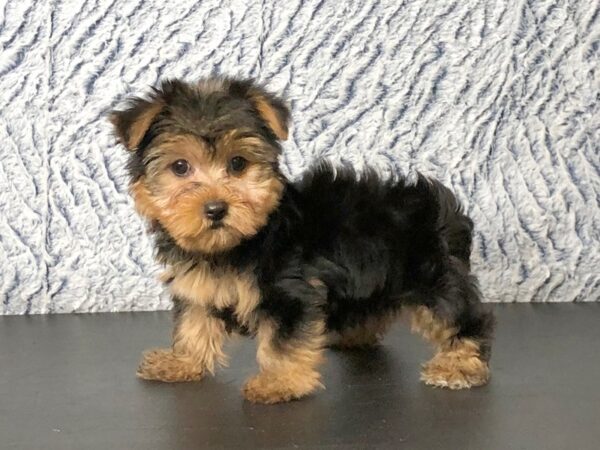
(455, 370)
(164, 365)
(270, 388)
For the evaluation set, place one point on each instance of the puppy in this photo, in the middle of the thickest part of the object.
(330, 260)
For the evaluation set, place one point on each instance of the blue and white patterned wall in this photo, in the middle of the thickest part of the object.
(499, 99)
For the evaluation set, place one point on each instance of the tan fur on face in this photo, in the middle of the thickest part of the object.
(457, 363)
(177, 202)
(197, 349)
(288, 371)
(143, 200)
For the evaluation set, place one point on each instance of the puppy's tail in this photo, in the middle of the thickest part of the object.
(454, 226)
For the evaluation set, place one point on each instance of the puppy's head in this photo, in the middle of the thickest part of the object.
(203, 159)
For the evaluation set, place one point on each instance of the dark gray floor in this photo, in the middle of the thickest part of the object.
(67, 382)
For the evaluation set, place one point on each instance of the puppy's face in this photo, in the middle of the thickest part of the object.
(203, 160)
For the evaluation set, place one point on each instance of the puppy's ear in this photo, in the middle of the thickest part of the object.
(132, 123)
(271, 109)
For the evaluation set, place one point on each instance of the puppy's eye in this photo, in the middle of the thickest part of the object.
(180, 167)
(237, 164)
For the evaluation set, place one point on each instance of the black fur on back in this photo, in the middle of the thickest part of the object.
(376, 245)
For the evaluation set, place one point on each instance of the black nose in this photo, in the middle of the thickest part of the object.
(215, 210)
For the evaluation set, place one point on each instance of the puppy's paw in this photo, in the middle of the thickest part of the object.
(455, 370)
(164, 365)
(270, 388)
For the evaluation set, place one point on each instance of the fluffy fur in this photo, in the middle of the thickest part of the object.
(333, 258)
(498, 99)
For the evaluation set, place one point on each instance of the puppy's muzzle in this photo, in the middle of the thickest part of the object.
(215, 210)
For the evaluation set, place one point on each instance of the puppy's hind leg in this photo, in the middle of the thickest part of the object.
(460, 328)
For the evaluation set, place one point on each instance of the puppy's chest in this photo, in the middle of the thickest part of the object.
(216, 288)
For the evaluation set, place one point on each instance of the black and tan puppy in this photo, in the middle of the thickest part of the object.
(332, 259)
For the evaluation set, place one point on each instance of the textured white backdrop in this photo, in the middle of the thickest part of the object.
(499, 99)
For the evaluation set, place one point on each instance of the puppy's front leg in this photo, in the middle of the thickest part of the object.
(291, 337)
(197, 348)
(287, 365)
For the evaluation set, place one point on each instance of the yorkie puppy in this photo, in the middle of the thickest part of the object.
(330, 260)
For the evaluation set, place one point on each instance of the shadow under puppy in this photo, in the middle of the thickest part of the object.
(330, 260)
